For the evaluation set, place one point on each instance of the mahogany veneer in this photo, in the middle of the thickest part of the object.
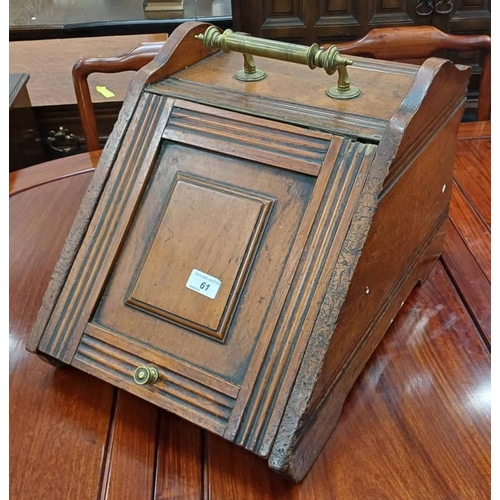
(310, 219)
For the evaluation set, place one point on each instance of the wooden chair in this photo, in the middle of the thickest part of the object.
(419, 42)
(408, 43)
(132, 60)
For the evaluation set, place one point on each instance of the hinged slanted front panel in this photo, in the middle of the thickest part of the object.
(206, 257)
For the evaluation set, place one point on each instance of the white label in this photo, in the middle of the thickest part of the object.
(203, 283)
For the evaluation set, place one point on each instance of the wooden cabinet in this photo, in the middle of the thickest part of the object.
(25, 147)
(244, 245)
(337, 20)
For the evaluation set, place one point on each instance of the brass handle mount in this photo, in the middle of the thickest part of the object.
(315, 57)
(145, 375)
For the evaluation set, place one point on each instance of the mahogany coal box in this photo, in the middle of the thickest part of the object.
(251, 230)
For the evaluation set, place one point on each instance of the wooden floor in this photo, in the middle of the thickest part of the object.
(416, 425)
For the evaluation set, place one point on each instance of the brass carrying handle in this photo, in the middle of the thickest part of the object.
(329, 59)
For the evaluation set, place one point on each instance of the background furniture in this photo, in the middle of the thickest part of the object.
(132, 60)
(339, 20)
(419, 42)
(25, 147)
(49, 62)
(336, 21)
(35, 20)
(411, 44)
(53, 99)
(416, 425)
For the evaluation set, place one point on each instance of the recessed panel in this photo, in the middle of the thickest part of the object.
(199, 256)
(235, 221)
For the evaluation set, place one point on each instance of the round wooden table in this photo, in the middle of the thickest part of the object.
(415, 426)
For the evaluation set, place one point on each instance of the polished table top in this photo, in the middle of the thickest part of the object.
(415, 426)
(35, 19)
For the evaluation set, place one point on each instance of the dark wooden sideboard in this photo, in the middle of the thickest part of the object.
(53, 101)
(306, 22)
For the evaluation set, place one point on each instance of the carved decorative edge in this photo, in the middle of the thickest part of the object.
(436, 71)
(327, 120)
(172, 58)
(263, 141)
(326, 321)
(260, 224)
(173, 390)
(75, 303)
(404, 161)
(276, 373)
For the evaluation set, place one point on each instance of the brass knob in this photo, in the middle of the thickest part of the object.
(145, 375)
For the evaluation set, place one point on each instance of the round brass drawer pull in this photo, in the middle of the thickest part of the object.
(145, 375)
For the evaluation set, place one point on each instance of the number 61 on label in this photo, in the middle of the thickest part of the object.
(203, 283)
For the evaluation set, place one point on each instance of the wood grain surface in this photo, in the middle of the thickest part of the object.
(36, 19)
(36, 13)
(49, 64)
(415, 425)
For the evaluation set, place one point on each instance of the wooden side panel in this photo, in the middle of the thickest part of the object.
(405, 239)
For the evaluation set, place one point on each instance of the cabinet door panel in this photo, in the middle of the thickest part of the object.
(338, 20)
(215, 215)
(392, 13)
(465, 16)
(191, 253)
(274, 19)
